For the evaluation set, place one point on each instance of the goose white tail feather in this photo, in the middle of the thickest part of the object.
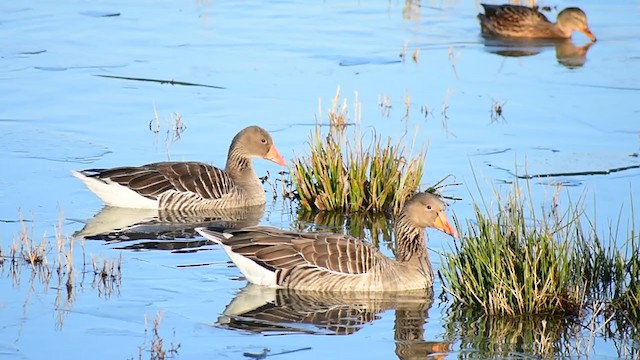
(254, 272)
(114, 194)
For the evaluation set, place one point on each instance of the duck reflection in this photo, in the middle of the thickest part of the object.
(116, 224)
(567, 53)
(263, 310)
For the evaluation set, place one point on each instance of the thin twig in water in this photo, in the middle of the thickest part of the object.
(416, 54)
(407, 106)
(384, 104)
(424, 110)
(445, 108)
(453, 57)
(497, 108)
(403, 52)
(267, 179)
(170, 82)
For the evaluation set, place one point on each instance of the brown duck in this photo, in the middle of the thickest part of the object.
(189, 185)
(335, 262)
(514, 21)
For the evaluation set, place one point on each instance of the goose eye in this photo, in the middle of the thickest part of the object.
(264, 141)
(428, 207)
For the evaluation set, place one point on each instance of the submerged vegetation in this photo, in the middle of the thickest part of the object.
(156, 347)
(44, 260)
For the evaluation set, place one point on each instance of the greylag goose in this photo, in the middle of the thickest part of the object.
(515, 21)
(189, 185)
(335, 262)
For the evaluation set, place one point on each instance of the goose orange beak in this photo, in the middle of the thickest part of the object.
(274, 155)
(442, 224)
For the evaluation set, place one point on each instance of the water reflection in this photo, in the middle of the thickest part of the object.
(375, 226)
(116, 224)
(502, 336)
(264, 310)
(567, 53)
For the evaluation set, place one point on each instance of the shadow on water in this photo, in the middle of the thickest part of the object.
(567, 53)
(168, 228)
(267, 311)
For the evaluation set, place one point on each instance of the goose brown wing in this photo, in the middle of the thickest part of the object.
(281, 250)
(205, 180)
(152, 180)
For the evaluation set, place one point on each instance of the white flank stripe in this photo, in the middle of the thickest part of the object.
(254, 273)
(115, 194)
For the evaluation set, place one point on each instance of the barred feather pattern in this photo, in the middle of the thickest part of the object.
(326, 262)
(186, 185)
(330, 262)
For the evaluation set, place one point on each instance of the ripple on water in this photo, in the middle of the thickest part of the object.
(35, 142)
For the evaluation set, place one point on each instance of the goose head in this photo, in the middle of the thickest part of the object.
(427, 210)
(254, 141)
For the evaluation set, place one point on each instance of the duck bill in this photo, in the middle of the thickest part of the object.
(442, 224)
(589, 34)
(275, 156)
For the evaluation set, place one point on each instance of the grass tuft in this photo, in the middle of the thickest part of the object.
(516, 262)
(527, 261)
(341, 174)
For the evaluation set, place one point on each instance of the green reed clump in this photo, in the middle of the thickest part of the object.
(627, 278)
(517, 262)
(523, 261)
(614, 274)
(341, 175)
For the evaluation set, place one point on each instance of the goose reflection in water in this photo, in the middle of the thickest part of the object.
(567, 53)
(164, 229)
(263, 310)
